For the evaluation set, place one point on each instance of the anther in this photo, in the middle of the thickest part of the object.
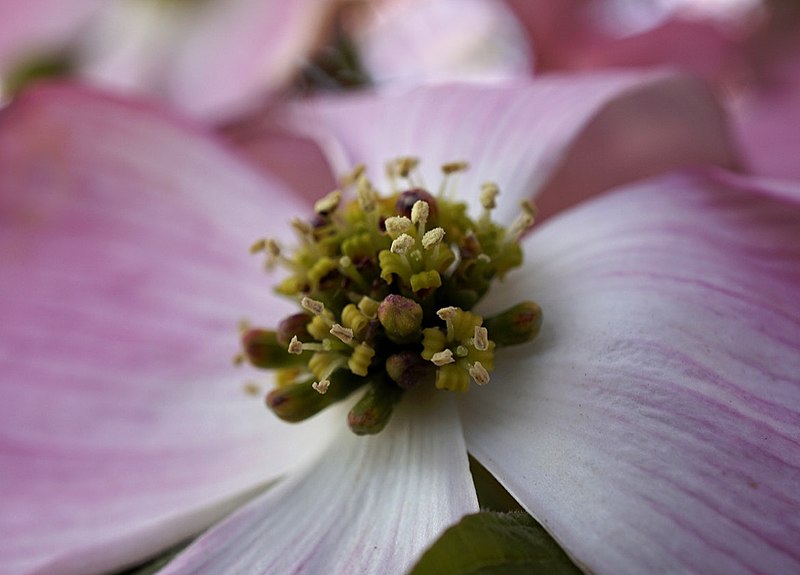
(321, 387)
(329, 203)
(303, 228)
(447, 313)
(489, 192)
(366, 196)
(397, 225)
(479, 373)
(402, 244)
(405, 165)
(442, 358)
(258, 246)
(454, 167)
(312, 305)
(353, 176)
(481, 338)
(432, 238)
(345, 334)
(295, 346)
(420, 212)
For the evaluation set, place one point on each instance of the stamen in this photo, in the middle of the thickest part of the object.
(489, 192)
(432, 238)
(442, 358)
(353, 176)
(258, 246)
(321, 387)
(295, 346)
(419, 215)
(448, 314)
(367, 199)
(402, 244)
(520, 226)
(481, 339)
(397, 225)
(479, 373)
(344, 334)
(448, 170)
(329, 203)
(312, 305)
(454, 167)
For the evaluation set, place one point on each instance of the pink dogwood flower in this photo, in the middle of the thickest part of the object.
(653, 425)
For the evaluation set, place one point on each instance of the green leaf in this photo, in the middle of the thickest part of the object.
(489, 543)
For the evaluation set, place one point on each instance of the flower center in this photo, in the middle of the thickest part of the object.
(385, 285)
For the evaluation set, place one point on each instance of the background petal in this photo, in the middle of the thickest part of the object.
(35, 27)
(369, 505)
(238, 50)
(563, 138)
(424, 40)
(124, 426)
(654, 424)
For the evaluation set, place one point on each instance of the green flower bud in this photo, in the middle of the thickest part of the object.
(293, 326)
(401, 318)
(372, 412)
(408, 369)
(516, 325)
(262, 349)
(299, 401)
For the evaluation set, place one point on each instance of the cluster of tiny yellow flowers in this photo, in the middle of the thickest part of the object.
(386, 284)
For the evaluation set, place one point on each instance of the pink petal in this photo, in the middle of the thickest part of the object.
(421, 40)
(296, 160)
(368, 505)
(239, 49)
(530, 138)
(35, 27)
(767, 118)
(654, 424)
(124, 426)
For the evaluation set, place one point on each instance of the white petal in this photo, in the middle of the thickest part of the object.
(369, 505)
(655, 424)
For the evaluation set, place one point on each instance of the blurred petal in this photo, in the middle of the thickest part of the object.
(529, 138)
(654, 424)
(124, 426)
(424, 40)
(767, 119)
(238, 50)
(213, 59)
(296, 160)
(34, 27)
(369, 505)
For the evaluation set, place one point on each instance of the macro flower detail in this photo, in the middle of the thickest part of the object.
(386, 284)
(651, 423)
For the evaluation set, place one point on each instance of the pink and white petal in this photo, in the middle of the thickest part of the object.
(766, 118)
(296, 160)
(368, 505)
(531, 138)
(35, 27)
(444, 40)
(127, 43)
(239, 50)
(124, 426)
(654, 424)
